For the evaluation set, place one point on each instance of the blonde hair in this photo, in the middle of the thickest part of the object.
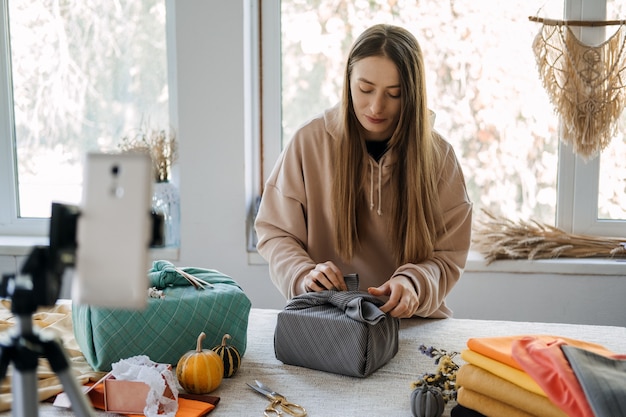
(416, 215)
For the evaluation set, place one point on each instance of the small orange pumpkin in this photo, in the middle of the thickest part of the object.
(200, 371)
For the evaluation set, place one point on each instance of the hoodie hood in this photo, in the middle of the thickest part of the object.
(332, 121)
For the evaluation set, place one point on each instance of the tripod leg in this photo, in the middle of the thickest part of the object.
(60, 365)
(25, 401)
(25, 349)
(24, 352)
(78, 399)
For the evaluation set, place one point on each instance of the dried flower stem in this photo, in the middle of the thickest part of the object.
(444, 379)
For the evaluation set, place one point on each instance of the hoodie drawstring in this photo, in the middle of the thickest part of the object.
(380, 188)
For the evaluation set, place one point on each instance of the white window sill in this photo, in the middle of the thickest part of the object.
(566, 266)
(19, 245)
(570, 266)
(22, 246)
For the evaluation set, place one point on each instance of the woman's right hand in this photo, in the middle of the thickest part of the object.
(325, 276)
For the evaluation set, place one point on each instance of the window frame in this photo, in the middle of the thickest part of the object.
(10, 222)
(577, 179)
(271, 86)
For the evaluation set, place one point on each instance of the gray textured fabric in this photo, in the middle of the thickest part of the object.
(603, 380)
(343, 332)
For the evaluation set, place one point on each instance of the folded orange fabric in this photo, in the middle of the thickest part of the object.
(547, 364)
(487, 406)
(481, 381)
(186, 407)
(500, 348)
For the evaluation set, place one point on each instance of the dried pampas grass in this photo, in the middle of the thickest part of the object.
(500, 238)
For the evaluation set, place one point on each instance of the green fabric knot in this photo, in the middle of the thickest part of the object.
(164, 274)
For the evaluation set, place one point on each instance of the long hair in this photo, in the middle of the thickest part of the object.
(416, 215)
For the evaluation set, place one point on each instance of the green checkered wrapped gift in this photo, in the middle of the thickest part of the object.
(169, 326)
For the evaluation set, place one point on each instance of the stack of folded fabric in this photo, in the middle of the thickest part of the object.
(530, 375)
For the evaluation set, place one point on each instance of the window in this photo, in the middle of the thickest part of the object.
(75, 76)
(483, 85)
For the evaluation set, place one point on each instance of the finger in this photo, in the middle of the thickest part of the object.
(391, 305)
(394, 311)
(401, 312)
(401, 304)
(333, 276)
(379, 291)
(312, 285)
(316, 280)
(405, 309)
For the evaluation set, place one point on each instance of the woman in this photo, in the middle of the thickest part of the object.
(369, 188)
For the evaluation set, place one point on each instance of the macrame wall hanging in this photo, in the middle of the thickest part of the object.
(586, 84)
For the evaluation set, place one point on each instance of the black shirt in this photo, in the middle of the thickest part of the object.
(376, 148)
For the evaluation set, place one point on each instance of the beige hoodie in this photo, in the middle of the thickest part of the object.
(295, 226)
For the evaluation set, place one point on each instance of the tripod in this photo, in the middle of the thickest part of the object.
(23, 346)
(39, 284)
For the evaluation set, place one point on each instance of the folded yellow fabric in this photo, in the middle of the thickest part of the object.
(500, 348)
(506, 372)
(487, 406)
(481, 381)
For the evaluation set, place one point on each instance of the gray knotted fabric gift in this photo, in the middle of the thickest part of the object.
(343, 332)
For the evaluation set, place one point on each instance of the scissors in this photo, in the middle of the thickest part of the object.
(278, 403)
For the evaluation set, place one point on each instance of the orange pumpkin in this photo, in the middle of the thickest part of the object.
(200, 371)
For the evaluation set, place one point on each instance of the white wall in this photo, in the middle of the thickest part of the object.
(210, 78)
(556, 298)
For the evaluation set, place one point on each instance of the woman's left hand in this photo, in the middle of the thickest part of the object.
(403, 301)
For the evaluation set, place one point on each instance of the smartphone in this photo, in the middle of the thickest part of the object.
(114, 232)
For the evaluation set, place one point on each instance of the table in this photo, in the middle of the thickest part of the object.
(387, 391)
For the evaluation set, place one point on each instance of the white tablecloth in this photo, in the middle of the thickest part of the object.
(387, 391)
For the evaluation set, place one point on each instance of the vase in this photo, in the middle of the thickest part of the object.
(166, 201)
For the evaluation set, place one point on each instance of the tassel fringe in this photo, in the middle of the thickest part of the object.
(585, 85)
